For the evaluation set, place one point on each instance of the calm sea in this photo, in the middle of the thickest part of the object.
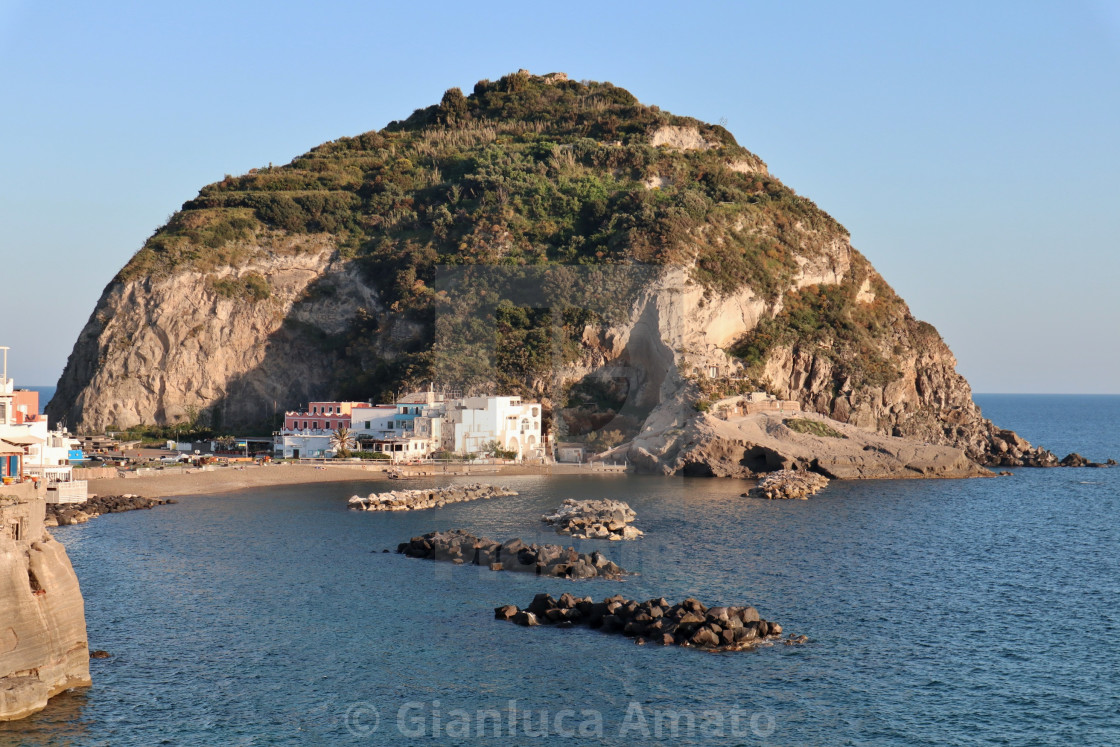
(939, 613)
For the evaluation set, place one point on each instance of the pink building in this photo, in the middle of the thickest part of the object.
(321, 416)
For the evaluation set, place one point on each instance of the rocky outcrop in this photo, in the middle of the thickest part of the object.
(329, 287)
(458, 547)
(412, 500)
(762, 442)
(786, 484)
(172, 348)
(689, 623)
(64, 514)
(606, 519)
(43, 645)
(1076, 460)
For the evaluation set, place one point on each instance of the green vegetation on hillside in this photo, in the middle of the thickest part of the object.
(525, 171)
(832, 321)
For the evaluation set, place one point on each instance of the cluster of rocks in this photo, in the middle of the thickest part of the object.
(459, 547)
(605, 519)
(788, 483)
(1076, 460)
(412, 500)
(689, 623)
(64, 514)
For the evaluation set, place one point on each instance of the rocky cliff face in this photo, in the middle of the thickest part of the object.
(320, 279)
(162, 350)
(43, 645)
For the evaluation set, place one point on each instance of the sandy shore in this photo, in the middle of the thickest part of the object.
(225, 479)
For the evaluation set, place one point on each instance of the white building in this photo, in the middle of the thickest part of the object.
(422, 423)
(45, 453)
(472, 423)
(410, 429)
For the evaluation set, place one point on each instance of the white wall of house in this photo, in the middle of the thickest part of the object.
(473, 422)
(309, 446)
(372, 421)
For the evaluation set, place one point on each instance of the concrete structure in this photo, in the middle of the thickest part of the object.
(572, 453)
(737, 407)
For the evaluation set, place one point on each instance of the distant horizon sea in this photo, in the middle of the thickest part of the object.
(938, 612)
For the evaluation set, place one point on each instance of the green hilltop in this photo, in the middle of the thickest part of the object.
(529, 171)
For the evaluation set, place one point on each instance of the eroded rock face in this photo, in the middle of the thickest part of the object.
(929, 402)
(43, 645)
(762, 442)
(162, 349)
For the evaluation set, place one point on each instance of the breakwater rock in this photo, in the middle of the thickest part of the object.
(413, 500)
(1076, 460)
(788, 483)
(604, 519)
(64, 514)
(460, 547)
(688, 623)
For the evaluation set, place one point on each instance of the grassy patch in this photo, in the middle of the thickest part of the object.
(812, 428)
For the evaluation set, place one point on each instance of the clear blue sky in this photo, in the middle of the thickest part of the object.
(971, 148)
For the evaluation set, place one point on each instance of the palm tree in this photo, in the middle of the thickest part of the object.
(342, 440)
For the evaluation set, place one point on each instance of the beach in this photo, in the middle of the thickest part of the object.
(164, 484)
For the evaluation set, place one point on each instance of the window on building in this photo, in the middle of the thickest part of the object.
(314, 425)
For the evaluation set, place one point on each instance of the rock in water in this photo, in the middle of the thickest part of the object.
(689, 623)
(412, 500)
(789, 484)
(64, 514)
(458, 546)
(43, 645)
(605, 519)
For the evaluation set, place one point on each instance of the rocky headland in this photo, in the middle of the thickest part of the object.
(787, 484)
(64, 514)
(764, 442)
(606, 519)
(689, 623)
(43, 644)
(459, 547)
(318, 280)
(414, 500)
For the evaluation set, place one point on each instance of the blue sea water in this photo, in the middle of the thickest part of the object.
(939, 613)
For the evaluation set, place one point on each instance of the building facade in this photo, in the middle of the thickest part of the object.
(29, 450)
(309, 433)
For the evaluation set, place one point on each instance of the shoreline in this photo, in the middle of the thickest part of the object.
(229, 479)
